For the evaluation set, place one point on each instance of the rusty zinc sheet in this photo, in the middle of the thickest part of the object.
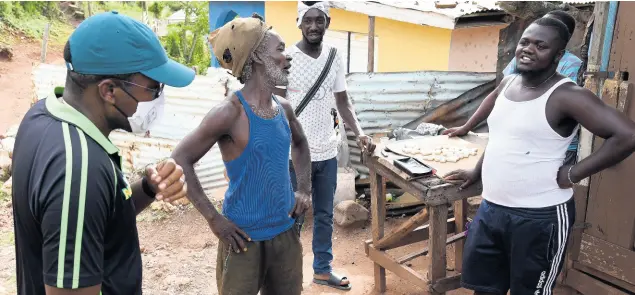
(185, 108)
(386, 101)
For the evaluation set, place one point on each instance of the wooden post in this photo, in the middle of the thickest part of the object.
(438, 234)
(460, 218)
(378, 207)
(144, 13)
(371, 44)
(405, 229)
(45, 40)
(594, 82)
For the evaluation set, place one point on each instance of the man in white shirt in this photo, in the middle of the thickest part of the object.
(310, 56)
(518, 239)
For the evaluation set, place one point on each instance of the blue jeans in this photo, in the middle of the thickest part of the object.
(324, 182)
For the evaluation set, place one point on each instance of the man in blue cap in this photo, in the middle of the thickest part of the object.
(75, 228)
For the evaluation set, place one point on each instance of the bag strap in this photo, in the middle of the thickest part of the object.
(309, 95)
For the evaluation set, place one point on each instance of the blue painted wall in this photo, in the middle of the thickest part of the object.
(221, 12)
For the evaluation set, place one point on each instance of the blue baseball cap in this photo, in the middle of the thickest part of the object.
(113, 44)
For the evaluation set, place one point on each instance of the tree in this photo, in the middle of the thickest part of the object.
(185, 41)
(156, 9)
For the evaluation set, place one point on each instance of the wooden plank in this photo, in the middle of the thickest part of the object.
(438, 234)
(381, 258)
(403, 230)
(45, 40)
(621, 59)
(588, 285)
(602, 276)
(599, 30)
(585, 148)
(610, 92)
(404, 201)
(388, 163)
(610, 203)
(378, 208)
(419, 234)
(379, 272)
(624, 97)
(447, 284)
(610, 194)
(580, 197)
(608, 258)
(413, 187)
(592, 82)
(367, 244)
(460, 218)
(453, 239)
(378, 205)
(371, 44)
(448, 193)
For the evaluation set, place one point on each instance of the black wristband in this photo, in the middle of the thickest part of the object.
(146, 187)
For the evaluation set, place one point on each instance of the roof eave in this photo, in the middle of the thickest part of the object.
(399, 14)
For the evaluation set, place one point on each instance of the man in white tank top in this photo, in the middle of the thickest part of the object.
(518, 238)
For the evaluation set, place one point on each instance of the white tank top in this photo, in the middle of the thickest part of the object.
(523, 154)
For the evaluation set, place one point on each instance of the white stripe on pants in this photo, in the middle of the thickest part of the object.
(563, 234)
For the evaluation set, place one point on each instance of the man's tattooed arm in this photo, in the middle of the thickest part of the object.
(300, 154)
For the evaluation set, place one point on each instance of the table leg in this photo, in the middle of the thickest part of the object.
(436, 243)
(378, 208)
(460, 218)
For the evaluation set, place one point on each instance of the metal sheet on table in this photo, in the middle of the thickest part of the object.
(442, 140)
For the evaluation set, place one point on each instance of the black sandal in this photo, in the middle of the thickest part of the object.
(334, 281)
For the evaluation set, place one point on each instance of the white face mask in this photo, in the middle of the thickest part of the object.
(148, 113)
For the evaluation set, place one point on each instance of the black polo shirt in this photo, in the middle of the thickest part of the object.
(74, 217)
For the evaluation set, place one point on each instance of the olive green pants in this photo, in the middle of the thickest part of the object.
(273, 267)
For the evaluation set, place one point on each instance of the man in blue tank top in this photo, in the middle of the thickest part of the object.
(518, 239)
(259, 248)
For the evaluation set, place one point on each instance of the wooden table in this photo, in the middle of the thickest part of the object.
(438, 196)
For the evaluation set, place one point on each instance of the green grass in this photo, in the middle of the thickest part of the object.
(33, 26)
(131, 10)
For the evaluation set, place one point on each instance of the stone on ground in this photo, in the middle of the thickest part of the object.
(11, 132)
(350, 214)
(7, 144)
(6, 53)
(345, 190)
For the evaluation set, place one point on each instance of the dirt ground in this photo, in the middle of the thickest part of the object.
(179, 250)
(16, 81)
(179, 257)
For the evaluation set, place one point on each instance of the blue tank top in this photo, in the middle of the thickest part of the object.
(260, 196)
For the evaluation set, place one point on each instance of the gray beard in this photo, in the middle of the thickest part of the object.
(274, 75)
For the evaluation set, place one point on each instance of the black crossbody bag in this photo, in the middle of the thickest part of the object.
(305, 101)
(309, 95)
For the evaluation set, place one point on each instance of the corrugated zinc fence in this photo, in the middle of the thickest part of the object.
(185, 108)
(383, 102)
(386, 101)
